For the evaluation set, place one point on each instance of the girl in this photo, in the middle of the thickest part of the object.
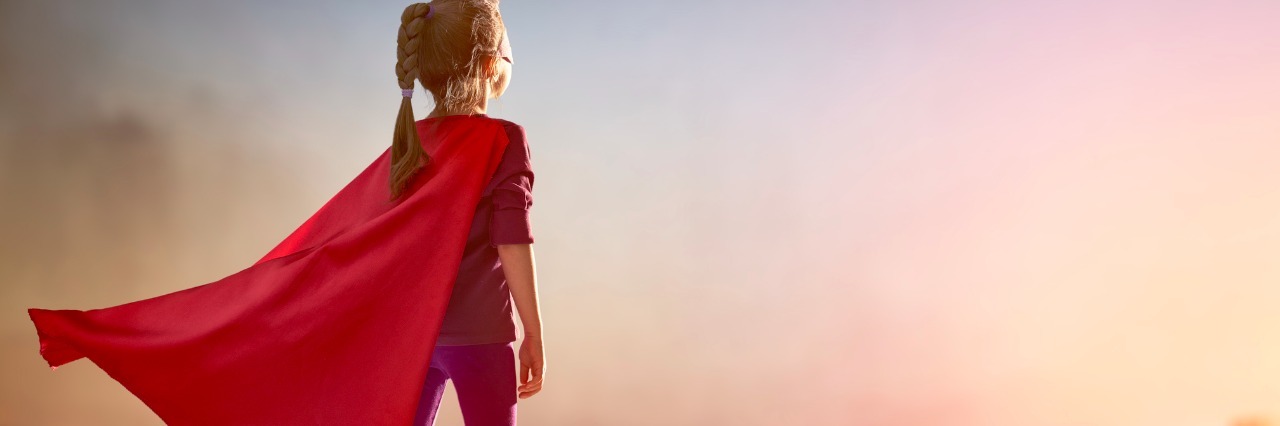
(474, 348)
(401, 281)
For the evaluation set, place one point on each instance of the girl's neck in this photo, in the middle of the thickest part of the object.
(479, 109)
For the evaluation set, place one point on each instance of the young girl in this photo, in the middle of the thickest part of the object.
(475, 347)
(401, 281)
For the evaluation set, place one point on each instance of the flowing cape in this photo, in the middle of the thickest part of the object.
(335, 325)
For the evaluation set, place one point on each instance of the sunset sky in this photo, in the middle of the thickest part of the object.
(1009, 213)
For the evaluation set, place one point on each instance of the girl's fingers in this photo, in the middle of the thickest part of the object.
(525, 393)
(532, 383)
(536, 383)
(524, 373)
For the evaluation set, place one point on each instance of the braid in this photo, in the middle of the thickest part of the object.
(411, 23)
(406, 149)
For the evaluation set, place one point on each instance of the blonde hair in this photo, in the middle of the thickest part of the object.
(440, 44)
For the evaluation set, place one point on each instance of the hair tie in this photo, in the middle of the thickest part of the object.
(430, 11)
(408, 93)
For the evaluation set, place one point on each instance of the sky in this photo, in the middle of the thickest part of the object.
(811, 212)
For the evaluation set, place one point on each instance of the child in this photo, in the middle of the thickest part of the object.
(474, 348)
(395, 285)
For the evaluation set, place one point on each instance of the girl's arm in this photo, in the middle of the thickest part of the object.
(517, 265)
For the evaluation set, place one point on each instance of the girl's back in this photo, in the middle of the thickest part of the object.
(480, 308)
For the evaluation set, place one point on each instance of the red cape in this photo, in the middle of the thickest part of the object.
(336, 325)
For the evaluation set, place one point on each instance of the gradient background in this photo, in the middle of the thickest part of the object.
(746, 213)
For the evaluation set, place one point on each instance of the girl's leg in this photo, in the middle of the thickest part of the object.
(432, 392)
(484, 376)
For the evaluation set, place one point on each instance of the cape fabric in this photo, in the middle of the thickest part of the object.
(334, 326)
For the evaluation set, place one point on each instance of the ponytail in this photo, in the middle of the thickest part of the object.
(407, 155)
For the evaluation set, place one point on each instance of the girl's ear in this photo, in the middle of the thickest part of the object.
(490, 64)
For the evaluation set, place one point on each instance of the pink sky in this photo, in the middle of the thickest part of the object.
(749, 213)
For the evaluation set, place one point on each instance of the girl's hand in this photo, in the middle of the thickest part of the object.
(531, 361)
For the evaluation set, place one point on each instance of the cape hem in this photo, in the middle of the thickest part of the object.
(55, 350)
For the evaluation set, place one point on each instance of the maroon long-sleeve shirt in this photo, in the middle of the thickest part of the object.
(480, 307)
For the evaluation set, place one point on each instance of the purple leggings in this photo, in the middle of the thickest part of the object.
(484, 377)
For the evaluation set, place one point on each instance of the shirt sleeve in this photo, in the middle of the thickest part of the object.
(513, 193)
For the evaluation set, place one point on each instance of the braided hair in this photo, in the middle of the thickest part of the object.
(440, 44)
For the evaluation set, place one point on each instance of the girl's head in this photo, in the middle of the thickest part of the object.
(459, 51)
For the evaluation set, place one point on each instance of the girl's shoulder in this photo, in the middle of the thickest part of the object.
(515, 132)
(508, 124)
